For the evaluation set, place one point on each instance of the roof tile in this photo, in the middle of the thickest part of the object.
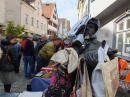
(47, 9)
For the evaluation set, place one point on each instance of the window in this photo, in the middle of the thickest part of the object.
(54, 25)
(55, 11)
(41, 25)
(121, 26)
(54, 16)
(119, 42)
(127, 43)
(86, 10)
(26, 19)
(44, 27)
(50, 23)
(37, 24)
(37, 10)
(123, 37)
(128, 23)
(32, 20)
(48, 32)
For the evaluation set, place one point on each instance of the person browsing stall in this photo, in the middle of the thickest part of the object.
(46, 53)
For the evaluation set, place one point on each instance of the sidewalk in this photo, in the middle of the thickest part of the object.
(20, 85)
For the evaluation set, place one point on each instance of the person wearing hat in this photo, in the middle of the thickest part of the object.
(28, 56)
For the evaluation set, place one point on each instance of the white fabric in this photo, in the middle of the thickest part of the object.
(31, 94)
(97, 78)
(68, 56)
(79, 93)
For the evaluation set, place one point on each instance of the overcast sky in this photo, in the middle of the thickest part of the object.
(66, 9)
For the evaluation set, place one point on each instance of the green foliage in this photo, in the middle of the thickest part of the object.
(55, 36)
(15, 30)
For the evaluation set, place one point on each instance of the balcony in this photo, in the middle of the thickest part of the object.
(52, 28)
(107, 10)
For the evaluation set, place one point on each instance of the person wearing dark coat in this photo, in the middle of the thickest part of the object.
(28, 55)
(7, 78)
(40, 44)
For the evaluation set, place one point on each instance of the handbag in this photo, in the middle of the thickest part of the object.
(82, 86)
(58, 90)
(62, 80)
(5, 62)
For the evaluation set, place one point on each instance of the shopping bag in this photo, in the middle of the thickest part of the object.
(82, 86)
(110, 73)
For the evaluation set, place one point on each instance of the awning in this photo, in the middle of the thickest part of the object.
(113, 11)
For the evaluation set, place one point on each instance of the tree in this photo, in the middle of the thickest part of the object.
(55, 36)
(16, 31)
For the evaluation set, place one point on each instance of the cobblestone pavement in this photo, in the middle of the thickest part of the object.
(21, 83)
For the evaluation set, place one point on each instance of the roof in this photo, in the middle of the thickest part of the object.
(47, 9)
(29, 0)
(26, 1)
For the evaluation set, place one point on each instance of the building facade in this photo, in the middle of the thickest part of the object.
(114, 19)
(32, 17)
(63, 27)
(9, 12)
(23, 12)
(83, 8)
(50, 11)
(122, 35)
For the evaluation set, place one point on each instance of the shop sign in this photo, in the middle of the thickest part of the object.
(31, 28)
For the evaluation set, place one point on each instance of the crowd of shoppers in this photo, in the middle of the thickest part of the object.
(34, 52)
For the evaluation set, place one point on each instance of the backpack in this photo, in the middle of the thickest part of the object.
(1, 53)
(23, 44)
(62, 43)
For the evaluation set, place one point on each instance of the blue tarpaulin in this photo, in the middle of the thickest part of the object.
(40, 84)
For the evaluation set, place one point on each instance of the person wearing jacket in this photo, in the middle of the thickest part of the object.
(6, 77)
(1, 38)
(18, 51)
(62, 44)
(50, 38)
(28, 54)
(40, 44)
(46, 53)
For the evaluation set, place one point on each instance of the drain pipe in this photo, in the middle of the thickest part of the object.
(88, 8)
